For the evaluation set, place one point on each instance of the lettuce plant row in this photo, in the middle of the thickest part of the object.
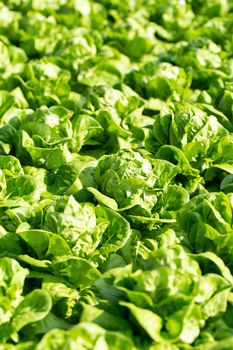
(116, 175)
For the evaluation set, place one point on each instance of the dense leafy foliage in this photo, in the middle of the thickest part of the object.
(116, 175)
